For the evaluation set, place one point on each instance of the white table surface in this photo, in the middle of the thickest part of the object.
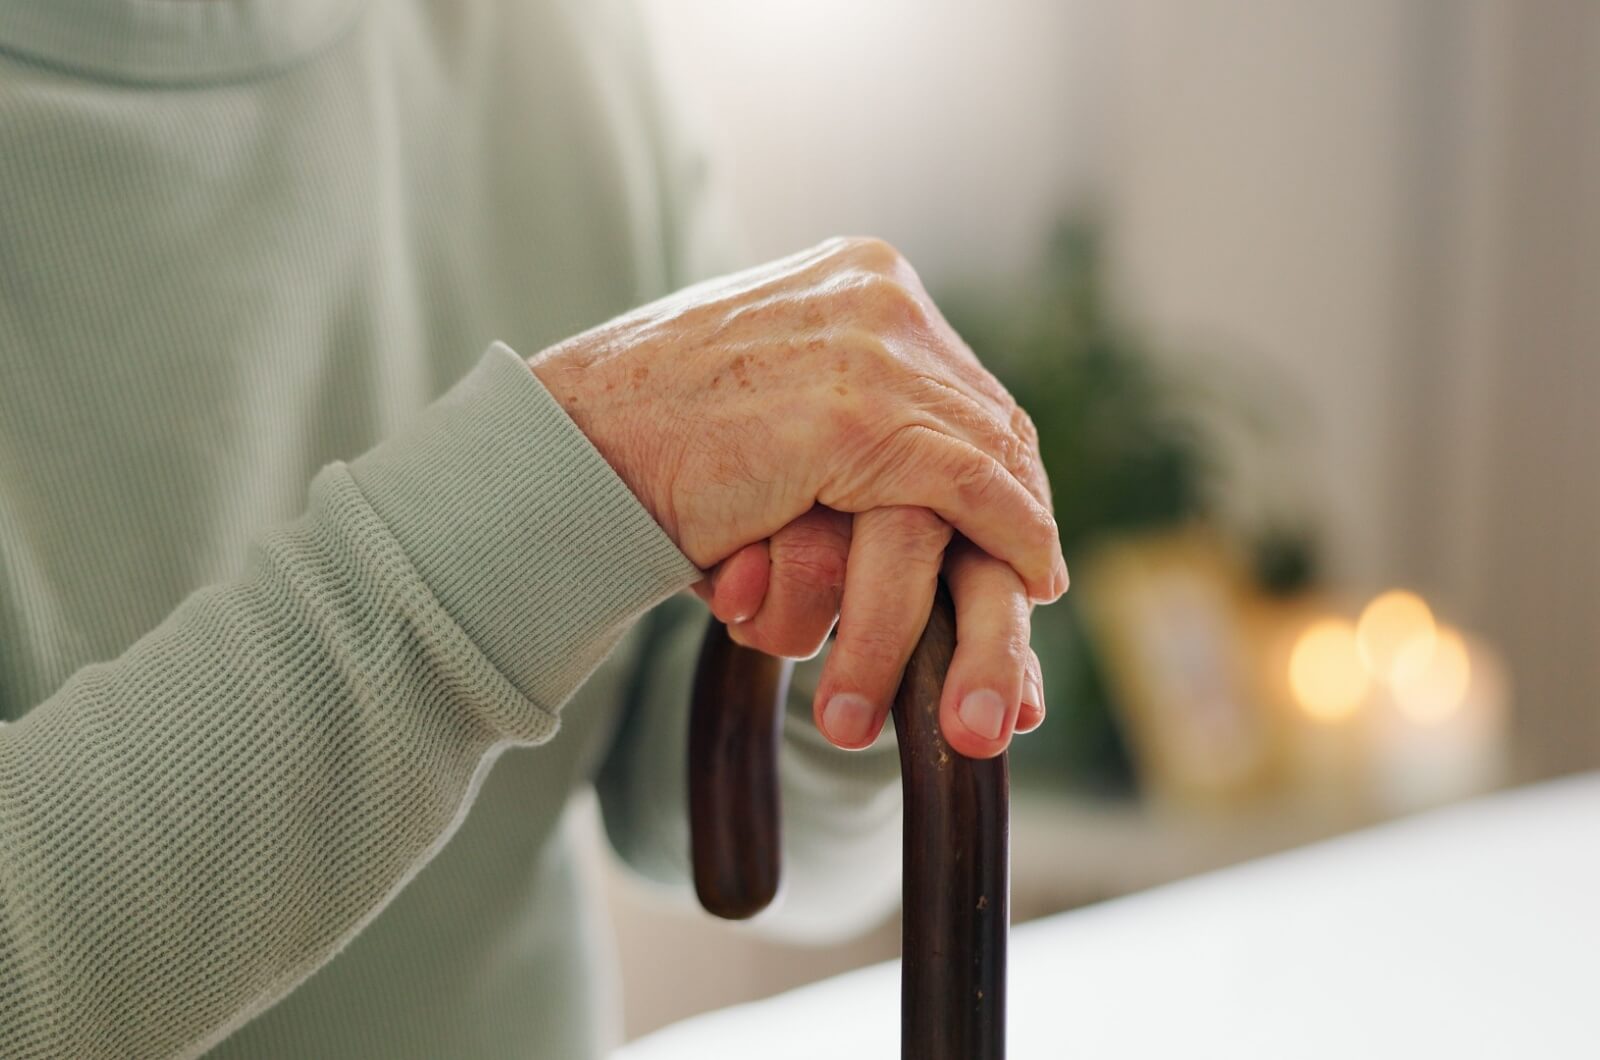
(1468, 932)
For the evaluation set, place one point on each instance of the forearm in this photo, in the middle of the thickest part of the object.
(189, 830)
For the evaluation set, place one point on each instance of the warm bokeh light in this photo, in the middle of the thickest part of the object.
(1395, 635)
(1434, 688)
(1325, 671)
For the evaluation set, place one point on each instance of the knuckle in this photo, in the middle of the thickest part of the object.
(887, 291)
(1024, 429)
(887, 455)
(909, 452)
(869, 645)
(813, 532)
(873, 251)
(918, 532)
(1014, 443)
(975, 481)
(814, 563)
(895, 305)
(1014, 649)
(1019, 462)
(1003, 656)
(880, 303)
(867, 350)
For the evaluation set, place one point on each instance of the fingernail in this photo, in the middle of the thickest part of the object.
(848, 718)
(1035, 694)
(1038, 719)
(983, 712)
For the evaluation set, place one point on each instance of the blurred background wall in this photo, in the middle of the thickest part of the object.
(1385, 215)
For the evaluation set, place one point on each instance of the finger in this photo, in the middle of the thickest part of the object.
(994, 424)
(895, 555)
(973, 493)
(803, 587)
(738, 585)
(983, 690)
(1031, 714)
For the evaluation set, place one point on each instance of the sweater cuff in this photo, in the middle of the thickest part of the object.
(523, 532)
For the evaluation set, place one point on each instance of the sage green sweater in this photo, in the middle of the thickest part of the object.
(301, 662)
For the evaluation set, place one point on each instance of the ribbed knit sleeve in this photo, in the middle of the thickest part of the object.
(521, 531)
(189, 830)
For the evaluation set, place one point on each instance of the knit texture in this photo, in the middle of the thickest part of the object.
(496, 491)
(314, 615)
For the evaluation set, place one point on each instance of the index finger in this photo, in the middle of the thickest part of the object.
(974, 493)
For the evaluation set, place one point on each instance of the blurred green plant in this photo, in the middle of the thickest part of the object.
(1121, 453)
(1125, 452)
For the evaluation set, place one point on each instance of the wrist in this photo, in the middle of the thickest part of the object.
(583, 382)
(493, 494)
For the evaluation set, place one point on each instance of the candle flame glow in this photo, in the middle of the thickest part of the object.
(1435, 688)
(1326, 672)
(1396, 635)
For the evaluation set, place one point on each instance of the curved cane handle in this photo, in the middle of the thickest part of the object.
(957, 826)
(735, 723)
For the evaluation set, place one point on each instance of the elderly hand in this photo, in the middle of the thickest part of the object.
(783, 596)
(735, 407)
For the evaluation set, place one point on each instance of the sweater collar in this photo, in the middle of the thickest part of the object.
(171, 42)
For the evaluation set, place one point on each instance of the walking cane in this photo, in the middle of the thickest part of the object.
(956, 856)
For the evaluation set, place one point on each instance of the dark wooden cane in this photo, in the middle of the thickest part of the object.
(957, 827)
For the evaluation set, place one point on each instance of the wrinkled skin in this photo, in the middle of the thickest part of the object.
(814, 434)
